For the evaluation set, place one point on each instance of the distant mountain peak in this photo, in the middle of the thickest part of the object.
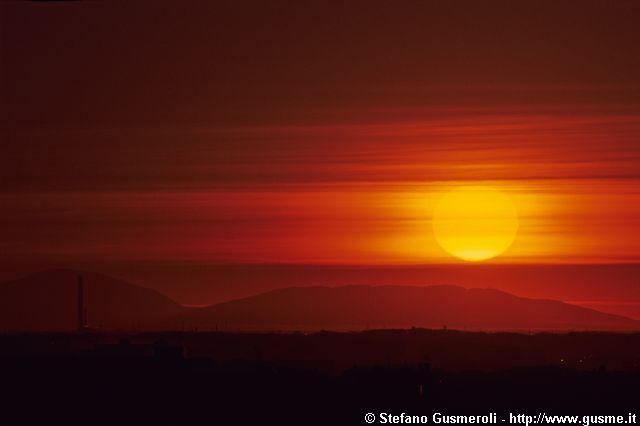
(355, 307)
(47, 301)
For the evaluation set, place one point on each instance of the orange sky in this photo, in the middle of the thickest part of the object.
(367, 200)
(293, 132)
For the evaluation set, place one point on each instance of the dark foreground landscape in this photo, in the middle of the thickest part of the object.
(138, 356)
(317, 378)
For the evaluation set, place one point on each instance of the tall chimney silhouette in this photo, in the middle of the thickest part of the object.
(82, 312)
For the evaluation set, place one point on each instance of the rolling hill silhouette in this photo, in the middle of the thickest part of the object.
(360, 307)
(46, 301)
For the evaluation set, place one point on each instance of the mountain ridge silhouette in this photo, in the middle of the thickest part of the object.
(46, 301)
(395, 306)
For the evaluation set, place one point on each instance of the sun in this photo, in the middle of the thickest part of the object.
(475, 223)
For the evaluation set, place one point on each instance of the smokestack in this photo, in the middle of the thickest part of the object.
(82, 313)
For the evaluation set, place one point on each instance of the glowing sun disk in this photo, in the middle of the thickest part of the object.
(475, 222)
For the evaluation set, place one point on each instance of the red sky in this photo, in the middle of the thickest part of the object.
(312, 133)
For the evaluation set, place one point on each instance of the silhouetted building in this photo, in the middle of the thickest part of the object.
(123, 350)
(165, 351)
